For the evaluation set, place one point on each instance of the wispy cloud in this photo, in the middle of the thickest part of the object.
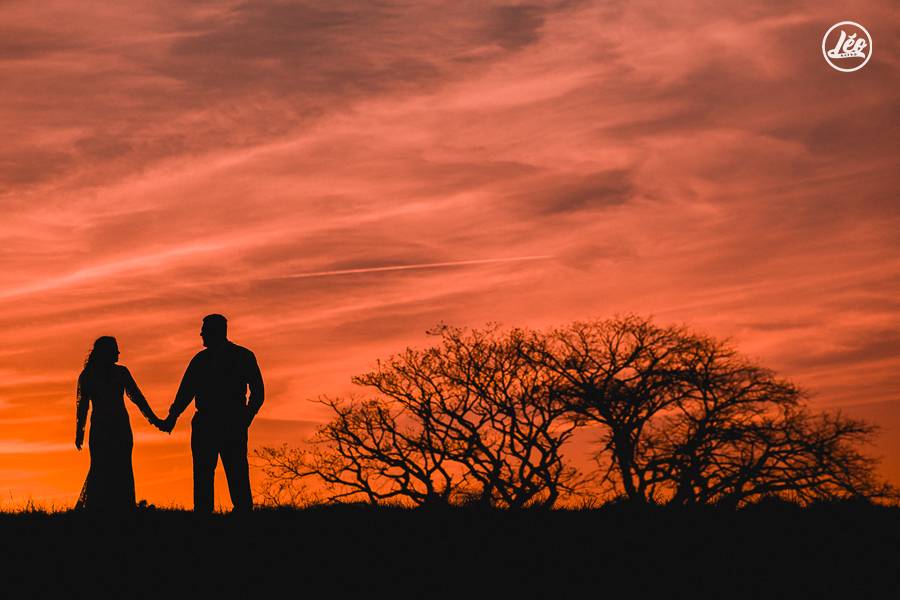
(325, 174)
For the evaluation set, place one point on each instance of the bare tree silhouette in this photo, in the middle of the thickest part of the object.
(485, 417)
(685, 419)
(619, 374)
(471, 419)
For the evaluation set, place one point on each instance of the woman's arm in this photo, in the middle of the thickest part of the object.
(83, 396)
(134, 393)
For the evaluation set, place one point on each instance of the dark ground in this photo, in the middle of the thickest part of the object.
(840, 551)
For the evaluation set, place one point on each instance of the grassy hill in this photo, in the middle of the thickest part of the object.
(769, 551)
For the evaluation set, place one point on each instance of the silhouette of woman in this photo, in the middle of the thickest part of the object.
(110, 481)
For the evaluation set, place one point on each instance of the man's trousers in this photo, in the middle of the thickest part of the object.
(211, 438)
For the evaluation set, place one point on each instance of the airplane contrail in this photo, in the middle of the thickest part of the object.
(435, 265)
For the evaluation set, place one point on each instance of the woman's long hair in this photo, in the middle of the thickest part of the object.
(101, 355)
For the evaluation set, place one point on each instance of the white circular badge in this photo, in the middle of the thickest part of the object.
(847, 46)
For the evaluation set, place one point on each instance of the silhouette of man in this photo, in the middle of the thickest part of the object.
(218, 377)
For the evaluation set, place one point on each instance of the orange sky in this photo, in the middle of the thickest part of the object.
(697, 161)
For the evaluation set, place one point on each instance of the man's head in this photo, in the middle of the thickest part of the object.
(214, 330)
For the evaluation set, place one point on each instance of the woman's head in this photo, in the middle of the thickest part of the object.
(104, 353)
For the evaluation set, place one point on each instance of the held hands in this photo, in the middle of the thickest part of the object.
(166, 425)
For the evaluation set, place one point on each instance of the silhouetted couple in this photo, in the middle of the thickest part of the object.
(217, 378)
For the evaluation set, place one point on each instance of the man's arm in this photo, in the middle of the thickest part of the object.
(257, 389)
(186, 392)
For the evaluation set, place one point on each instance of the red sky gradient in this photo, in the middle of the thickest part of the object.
(695, 161)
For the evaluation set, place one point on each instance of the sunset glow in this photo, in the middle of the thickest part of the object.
(339, 177)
